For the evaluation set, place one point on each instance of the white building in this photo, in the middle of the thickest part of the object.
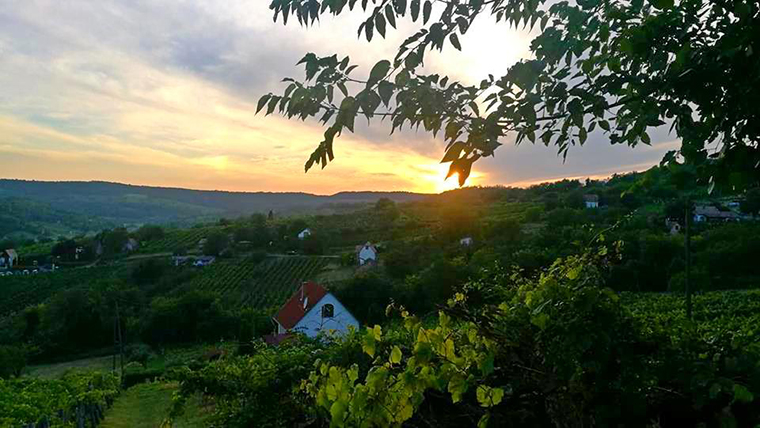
(591, 201)
(312, 310)
(366, 253)
(466, 241)
(304, 233)
(8, 258)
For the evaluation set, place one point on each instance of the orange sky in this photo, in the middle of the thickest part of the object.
(164, 94)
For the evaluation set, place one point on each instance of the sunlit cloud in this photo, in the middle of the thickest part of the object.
(164, 93)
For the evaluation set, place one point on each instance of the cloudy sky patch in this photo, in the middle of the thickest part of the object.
(164, 92)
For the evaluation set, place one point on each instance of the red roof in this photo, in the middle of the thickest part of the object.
(299, 304)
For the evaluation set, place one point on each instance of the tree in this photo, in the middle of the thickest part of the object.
(751, 202)
(114, 240)
(150, 232)
(12, 361)
(619, 68)
(216, 242)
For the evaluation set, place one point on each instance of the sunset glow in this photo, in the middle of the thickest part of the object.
(138, 94)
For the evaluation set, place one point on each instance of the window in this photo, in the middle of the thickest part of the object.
(328, 311)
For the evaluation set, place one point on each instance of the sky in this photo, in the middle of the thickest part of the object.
(163, 93)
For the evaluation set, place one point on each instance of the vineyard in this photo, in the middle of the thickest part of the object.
(258, 284)
(733, 314)
(77, 398)
(18, 292)
(178, 238)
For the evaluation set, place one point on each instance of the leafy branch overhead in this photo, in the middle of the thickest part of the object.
(620, 68)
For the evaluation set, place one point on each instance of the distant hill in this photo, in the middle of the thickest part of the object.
(128, 204)
(23, 218)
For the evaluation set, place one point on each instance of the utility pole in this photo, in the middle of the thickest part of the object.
(120, 342)
(687, 247)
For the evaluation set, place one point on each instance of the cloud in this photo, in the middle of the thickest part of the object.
(163, 92)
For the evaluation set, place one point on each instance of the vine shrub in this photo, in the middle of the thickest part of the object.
(557, 349)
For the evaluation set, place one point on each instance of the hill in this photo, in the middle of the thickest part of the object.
(22, 218)
(129, 204)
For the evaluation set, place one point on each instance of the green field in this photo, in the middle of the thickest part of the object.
(148, 405)
(178, 238)
(18, 292)
(259, 285)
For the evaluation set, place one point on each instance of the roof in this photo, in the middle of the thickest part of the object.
(299, 304)
(368, 244)
(591, 198)
(714, 212)
(12, 253)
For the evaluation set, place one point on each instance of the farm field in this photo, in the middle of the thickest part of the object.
(718, 314)
(178, 238)
(19, 292)
(57, 370)
(260, 285)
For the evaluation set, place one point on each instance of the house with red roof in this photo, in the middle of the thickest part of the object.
(312, 310)
(366, 253)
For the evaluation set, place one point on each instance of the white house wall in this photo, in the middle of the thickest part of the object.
(312, 323)
(366, 254)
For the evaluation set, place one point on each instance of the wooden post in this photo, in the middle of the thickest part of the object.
(687, 248)
(121, 341)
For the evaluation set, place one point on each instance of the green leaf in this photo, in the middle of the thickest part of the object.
(385, 89)
(390, 15)
(426, 10)
(379, 71)
(395, 355)
(483, 422)
(377, 331)
(742, 394)
(662, 4)
(262, 102)
(455, 41)
(604, 125)
(454, 152)
(415, 9)
(380, 24)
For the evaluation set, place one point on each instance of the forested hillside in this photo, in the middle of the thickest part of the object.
(122, 203)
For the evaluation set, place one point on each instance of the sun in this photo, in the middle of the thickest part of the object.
(437, 182)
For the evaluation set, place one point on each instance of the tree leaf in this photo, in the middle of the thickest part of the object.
(380, 24)
(378, 72)
(455, 41)
(453, 154)
(426, 10)
(262, 102)
(390, 15)
(415, 9)
(385, 89)
(662, 4)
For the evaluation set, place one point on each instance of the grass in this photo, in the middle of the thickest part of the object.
(147, 405)
(55, 371)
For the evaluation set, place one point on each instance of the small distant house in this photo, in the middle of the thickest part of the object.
(466, 241)
(591, 201)
(204, 261)
(304, 233)
(704, 213)
(311, 310)
(131, 245)
(366, 253)
(675, 228)
(8, 258)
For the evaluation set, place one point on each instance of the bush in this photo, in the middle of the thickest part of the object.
(138, 352)
(12, 361)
